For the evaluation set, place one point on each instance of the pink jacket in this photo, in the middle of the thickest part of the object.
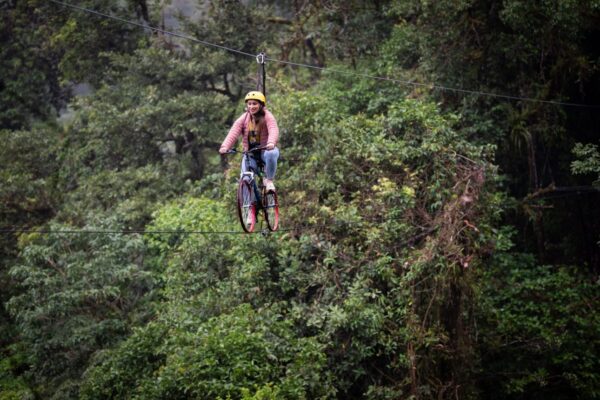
(241, 126)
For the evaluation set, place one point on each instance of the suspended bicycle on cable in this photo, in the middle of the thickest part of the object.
(252, 195)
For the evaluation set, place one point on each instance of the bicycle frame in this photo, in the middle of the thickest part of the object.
(252, 174)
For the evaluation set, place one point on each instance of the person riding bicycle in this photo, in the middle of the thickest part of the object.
(258, 128)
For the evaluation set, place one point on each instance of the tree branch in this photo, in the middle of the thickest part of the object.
(550, 191)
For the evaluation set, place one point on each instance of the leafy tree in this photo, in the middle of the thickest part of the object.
(588, 160)
(27, 198)
(523, 49)
(217, 335)
(28, 164)
(394, 274)
(361, 275)
(79, 294)
(13, 386)
(31, 96)
(57, 46)
(539, 330)
(153, 111)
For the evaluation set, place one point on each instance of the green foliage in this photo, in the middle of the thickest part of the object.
(378, 184)
(122, 372)
(24, 97)
(27, 197)
(57, 46)
(146, 116)
(13, 387)
(342, 34)
(540, 326)
(267, 392)
(129, 195)
(224, 357)
(213, 343)
(236, 351)
(79, 293)
(27, 167)
(537, 50)
(27, 170)
(394, 274)
(81, 39)
(588, 160)
(139, 129)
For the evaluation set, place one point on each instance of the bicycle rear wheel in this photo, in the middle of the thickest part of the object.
(271, 207)
(246, 206)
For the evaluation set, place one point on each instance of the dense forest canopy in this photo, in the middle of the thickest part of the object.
(438, 184)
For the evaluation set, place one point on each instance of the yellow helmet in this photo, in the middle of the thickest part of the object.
(256, 96)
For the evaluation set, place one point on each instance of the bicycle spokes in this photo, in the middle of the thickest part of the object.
(271, 208)
(246, 206)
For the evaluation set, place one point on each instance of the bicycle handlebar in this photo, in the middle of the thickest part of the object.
(234, 151)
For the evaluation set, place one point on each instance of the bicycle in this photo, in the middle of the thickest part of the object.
(252, 195)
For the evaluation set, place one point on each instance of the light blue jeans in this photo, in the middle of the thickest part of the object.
(270, 159)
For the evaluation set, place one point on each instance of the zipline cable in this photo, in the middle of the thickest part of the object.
(327, 69)
(132, 232)
(434, 86)
(152, 28)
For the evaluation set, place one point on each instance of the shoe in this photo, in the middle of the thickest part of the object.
(269, 186)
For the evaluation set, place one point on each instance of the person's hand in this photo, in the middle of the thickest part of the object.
(270, 146)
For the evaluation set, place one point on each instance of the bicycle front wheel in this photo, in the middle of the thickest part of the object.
(246, 206)
(271, 207)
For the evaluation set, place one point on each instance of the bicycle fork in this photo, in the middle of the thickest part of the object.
(249, 177)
